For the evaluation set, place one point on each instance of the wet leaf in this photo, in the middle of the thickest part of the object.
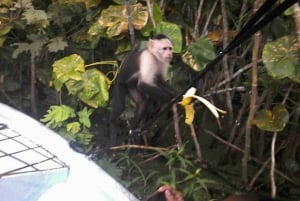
(272, 120)
(282, 58)
(67, 68)
(173, 32)
(93, 89)
(56, 44)
(199, 54)
(73, 127)
(57, 114)
(84, 116)
(114, 19)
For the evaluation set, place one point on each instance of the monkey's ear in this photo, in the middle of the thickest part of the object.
(151, 43)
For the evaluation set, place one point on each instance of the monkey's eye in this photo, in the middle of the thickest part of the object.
(167, 48)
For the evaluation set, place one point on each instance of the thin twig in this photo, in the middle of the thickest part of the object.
(130, 26)
(297, 21)
(198, 18)
(135, 146)
(196, 143)
(204, 30)
(250, 157)
(239, 89)
(151, 13)
(176, 125)
(272, 168)
(253, 99)
(236, 74)
(225, 63)
(260, 171)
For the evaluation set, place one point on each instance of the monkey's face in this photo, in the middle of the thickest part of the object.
(162, 50)
(165, 49)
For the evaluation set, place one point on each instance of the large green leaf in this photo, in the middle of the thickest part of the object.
(173, 32)
(93, 89)
(67, 68)
(88, 3)
(199, 53)
(123, 2)
(114, 20)
(5, 27)
(272, 120)
(282, 58)
(158, 17)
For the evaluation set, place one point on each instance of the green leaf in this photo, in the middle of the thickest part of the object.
(158, 17)
(84, 116)
(34, 48)
(24, 4)
(68, 68)
(282, 58)
(199, 53)
(2, 40)
(114, 19)
(93, 89)
(123, 2)
(272, 120)
(56, 44)
(33, 16)
(56, 115)
(91, 3)
(173, 32)
(4, 29)
(73, 127)
(97, 29)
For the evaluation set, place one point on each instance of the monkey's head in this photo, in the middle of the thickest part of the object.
(161, 47)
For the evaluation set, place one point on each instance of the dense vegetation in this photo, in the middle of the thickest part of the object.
(59, 58)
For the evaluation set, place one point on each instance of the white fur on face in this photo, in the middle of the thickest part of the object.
(155, 60)
(163, 50)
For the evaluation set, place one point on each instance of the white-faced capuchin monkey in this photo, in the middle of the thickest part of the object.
(143, 77)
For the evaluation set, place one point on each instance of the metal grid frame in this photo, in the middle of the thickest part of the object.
(21, 155)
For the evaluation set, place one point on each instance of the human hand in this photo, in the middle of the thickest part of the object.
(171, 194)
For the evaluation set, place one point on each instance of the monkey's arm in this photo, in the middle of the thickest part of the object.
(161, 91)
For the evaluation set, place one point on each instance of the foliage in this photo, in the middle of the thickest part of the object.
(199, 53)
(282, 58)
(69, 123)
(115, 24)
(272, 120)
(184, 175)
(91, 86)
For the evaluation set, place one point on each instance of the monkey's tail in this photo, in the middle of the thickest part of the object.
(117, 107)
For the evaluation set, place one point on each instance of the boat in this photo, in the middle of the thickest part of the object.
(37, 164)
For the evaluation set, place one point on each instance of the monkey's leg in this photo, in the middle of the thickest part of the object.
(141, 103)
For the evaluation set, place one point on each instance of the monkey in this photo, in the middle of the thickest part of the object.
(142, 77)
